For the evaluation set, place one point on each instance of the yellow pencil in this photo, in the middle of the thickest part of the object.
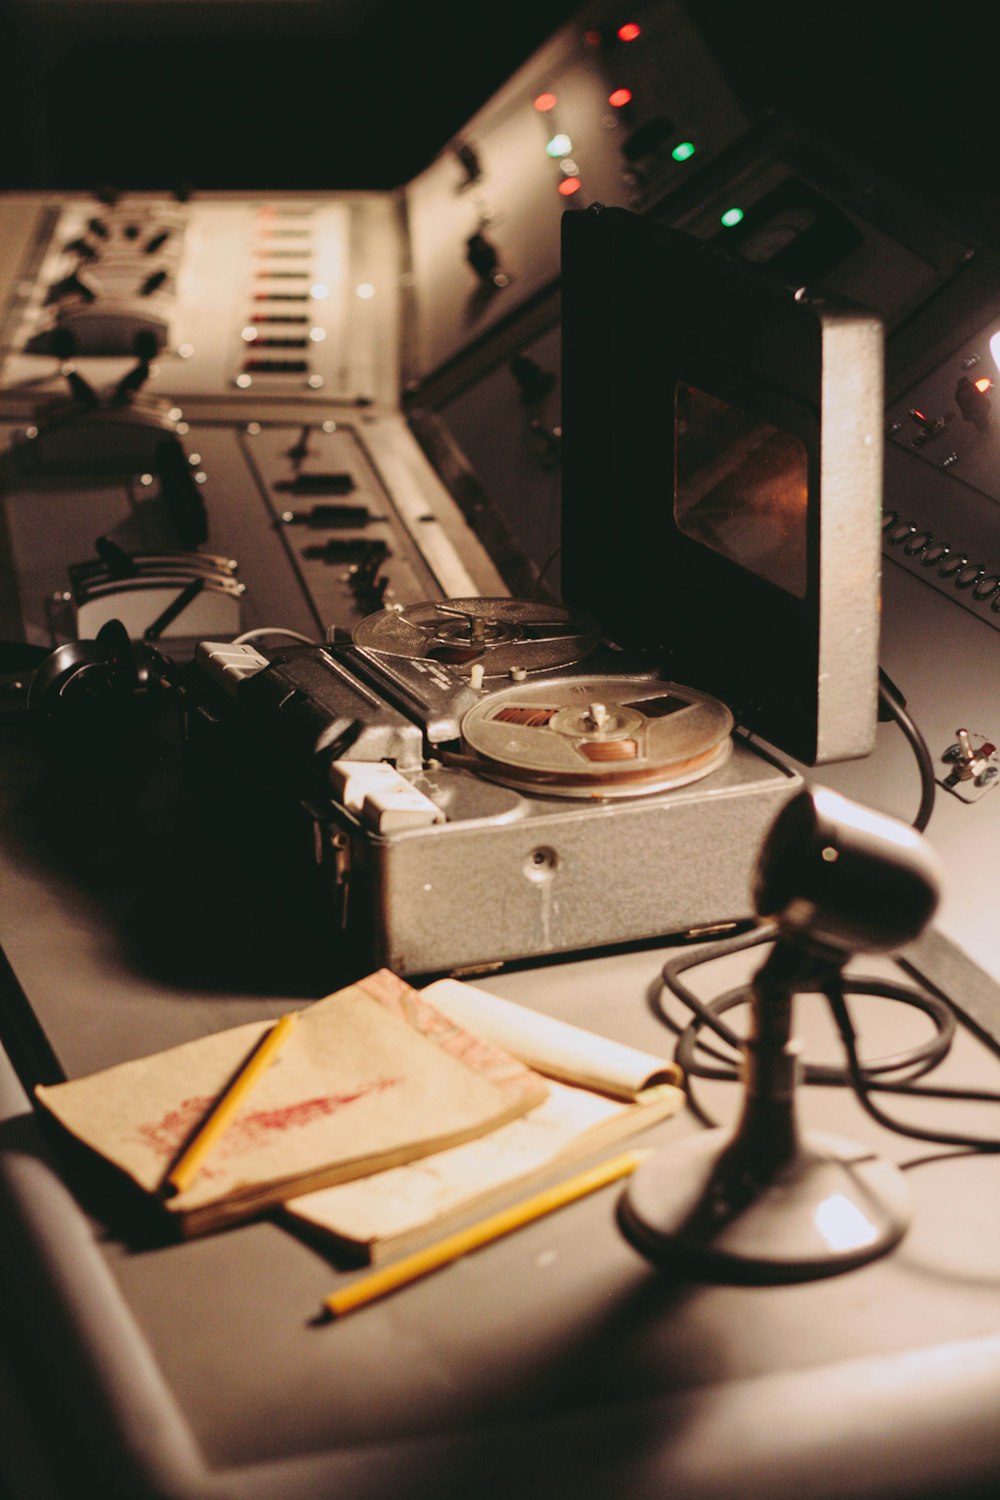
(402, 1272)
(187, 1166)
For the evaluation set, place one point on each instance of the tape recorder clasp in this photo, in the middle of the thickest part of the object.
(495, 779)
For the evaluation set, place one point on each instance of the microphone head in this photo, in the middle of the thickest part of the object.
(841, 878)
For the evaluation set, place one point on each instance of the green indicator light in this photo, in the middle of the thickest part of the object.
(732, 216)
(559, 145)
(683, 152)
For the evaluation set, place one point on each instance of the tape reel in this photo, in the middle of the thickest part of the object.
(500, 635)
(598, 736)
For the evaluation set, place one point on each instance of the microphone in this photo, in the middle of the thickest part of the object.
(767, 1202)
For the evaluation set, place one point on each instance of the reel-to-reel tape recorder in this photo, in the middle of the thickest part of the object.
(491, 779)
(588, 735)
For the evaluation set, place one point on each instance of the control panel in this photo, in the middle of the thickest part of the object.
(257, 297)
(616, 109)
(345, 401)
(942, 520)
(199, 425)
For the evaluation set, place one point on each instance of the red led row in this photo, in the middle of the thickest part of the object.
(627, 32)
(618, 97)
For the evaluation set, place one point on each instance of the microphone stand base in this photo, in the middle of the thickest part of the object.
(705, 1207)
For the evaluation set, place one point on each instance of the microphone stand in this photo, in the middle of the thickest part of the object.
(767, 1202)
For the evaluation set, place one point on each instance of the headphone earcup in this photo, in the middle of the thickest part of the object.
(88, 679)
(74, 677)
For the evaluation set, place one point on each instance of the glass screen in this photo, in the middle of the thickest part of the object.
(741, 488)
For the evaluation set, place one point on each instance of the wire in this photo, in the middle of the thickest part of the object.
(895, 706)
(914, 1063)
(896, 1074)
(838, 1004)
(540, 587)
(255, 635)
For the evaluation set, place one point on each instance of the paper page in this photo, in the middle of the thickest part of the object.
(367, 1078)
(377, 1212)
(556, 1048)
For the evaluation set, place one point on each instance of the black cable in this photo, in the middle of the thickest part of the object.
(915, 1061)
(894, 704)
(540, 589)
(842, 1016)
(896, 1074)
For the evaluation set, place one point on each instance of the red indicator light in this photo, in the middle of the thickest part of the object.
(619, 97)
(545, 102)
(593, 38)
(983, 384)
(569, 186)
(629, 32)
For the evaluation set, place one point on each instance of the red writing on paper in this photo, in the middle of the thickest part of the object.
(254, 1126)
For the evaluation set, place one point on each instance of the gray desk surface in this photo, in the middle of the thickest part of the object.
(554, 1360)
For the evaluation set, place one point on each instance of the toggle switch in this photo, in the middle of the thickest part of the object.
(972, 766)
(81, 390)
(330, 517)
(533, 382)
(967, 760)
(468, 160)
(132, 381)
(70, 286)
(339, 483)
(973, 400)
(929, 427)
(367, 553)
(81, 247)
(484, 258)
(300, 448)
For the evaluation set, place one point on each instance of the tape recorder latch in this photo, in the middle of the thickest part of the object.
(381, 798)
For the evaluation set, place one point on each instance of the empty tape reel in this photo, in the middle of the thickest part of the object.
(500, 635)
(597, 736)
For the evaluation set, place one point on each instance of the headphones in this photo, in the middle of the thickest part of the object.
(81, 680)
